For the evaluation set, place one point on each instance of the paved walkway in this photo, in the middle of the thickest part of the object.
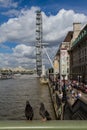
(72, 100)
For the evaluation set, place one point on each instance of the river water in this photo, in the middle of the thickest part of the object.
(15, 92)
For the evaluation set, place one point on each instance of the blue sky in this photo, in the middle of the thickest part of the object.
(17, 27)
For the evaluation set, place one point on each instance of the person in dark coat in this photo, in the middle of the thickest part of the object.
(44, 113)
(29, 111)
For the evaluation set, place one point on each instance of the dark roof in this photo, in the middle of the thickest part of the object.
(84, 28)
(82, 36)
(67, 39)
(68, 36)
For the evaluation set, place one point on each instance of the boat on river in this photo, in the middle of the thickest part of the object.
(44, 80)
(6, 76)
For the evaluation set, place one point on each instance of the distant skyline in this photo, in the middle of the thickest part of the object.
(17, 28)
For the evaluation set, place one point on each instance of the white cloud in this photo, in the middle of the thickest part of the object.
(22, 30)
(21, 56)
(11, 13)
(57, 26)
(24, 50)
(8, 3)
(24, 55)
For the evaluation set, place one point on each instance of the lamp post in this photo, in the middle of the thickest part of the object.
(71, 77)
(64, 89)
(79, 78)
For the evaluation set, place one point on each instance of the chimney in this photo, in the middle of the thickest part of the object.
(76, 30)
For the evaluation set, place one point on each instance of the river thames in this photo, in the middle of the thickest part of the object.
(14, 93)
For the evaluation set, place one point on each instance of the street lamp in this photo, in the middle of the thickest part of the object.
(64, 89)
(79, 78)
(71, 77)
